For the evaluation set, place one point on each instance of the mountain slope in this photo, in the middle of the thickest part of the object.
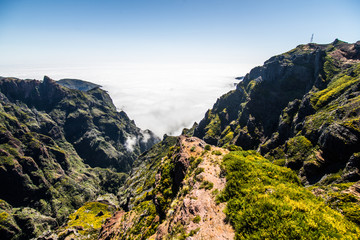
(180, 202)
(205, 192)
(49, 135)
(87, 120)
(301, 106)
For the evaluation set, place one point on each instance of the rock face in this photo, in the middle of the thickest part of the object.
(88, 120)
(177, 201)
(302, 106)
(185, 189)
(55, 144)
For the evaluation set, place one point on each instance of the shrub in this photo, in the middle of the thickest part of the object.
(234, 148)
(207, 185)
(216, 152)
(198, 171)
(207, 147)
(266, 201)
(197, 219)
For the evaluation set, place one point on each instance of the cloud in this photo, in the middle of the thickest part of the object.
(130, 143)
(146, 137)
(164, 98)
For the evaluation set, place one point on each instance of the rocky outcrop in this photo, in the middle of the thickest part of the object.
(310, 91)
(55, 144)
(180, 202)
(89, 121)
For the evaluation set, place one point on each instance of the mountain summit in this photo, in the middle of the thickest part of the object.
(59, 147)
(302, 106)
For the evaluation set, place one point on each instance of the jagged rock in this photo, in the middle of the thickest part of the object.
(49, 135)
(312, 91)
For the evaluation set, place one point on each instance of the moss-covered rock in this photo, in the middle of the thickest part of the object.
(310, 92)
(49, 135)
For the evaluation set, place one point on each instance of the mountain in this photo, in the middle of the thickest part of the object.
(301, 111)
(77, 84)
(59, 148)
(186, 189)
(276, 158)
(301, 108)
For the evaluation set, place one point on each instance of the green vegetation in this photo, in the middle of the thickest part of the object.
(145, 215)
(207, 147)
(298, 149)
(330, 67)
(216, 152)
(90, 217)
(337, 197)
(265, 201)
(234, 148)
(198, 171)
(214, 127)
(206, 185)
(194, 164)
(197, 219)
(335, 89)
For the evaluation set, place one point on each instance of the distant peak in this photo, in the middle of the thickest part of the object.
(337, 41)
(78, 84)
(47, 80)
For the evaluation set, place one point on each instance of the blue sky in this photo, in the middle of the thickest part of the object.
(164, 62)
(59, 31)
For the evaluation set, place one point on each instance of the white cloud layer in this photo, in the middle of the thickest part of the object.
(164, 98)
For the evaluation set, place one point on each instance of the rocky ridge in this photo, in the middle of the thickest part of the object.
(206, 192)
(57, 146)
(182, 200)
(300, 107)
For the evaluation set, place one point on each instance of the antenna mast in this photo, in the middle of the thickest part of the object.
(312, 38)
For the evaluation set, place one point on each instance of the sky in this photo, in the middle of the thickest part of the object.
(164, 62)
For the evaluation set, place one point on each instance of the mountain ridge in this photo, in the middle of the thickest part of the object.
(57, 146)
(278, 157)
(276, 103)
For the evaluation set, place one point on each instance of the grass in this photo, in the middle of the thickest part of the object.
(90, 216)
(338, 85)
(266, 201)
(206, 185)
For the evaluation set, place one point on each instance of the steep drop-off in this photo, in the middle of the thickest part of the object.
(301, 108)
(57, 146)
(198, 191)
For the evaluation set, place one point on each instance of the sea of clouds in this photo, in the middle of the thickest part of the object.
(164, 98)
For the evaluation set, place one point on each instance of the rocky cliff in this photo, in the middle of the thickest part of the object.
(301, 107)
(57, 146)
(191, 190)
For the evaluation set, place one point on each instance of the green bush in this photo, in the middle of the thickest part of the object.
(206, 185)
(266, 201)
(216, 152)
(234, 148)
(197, 219)
(198, 171)
(207, 147)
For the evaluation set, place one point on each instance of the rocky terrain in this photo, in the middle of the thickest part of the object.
(277, 158)
(301, 107)
(181, 202)
(59, 148)
(206, 192)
